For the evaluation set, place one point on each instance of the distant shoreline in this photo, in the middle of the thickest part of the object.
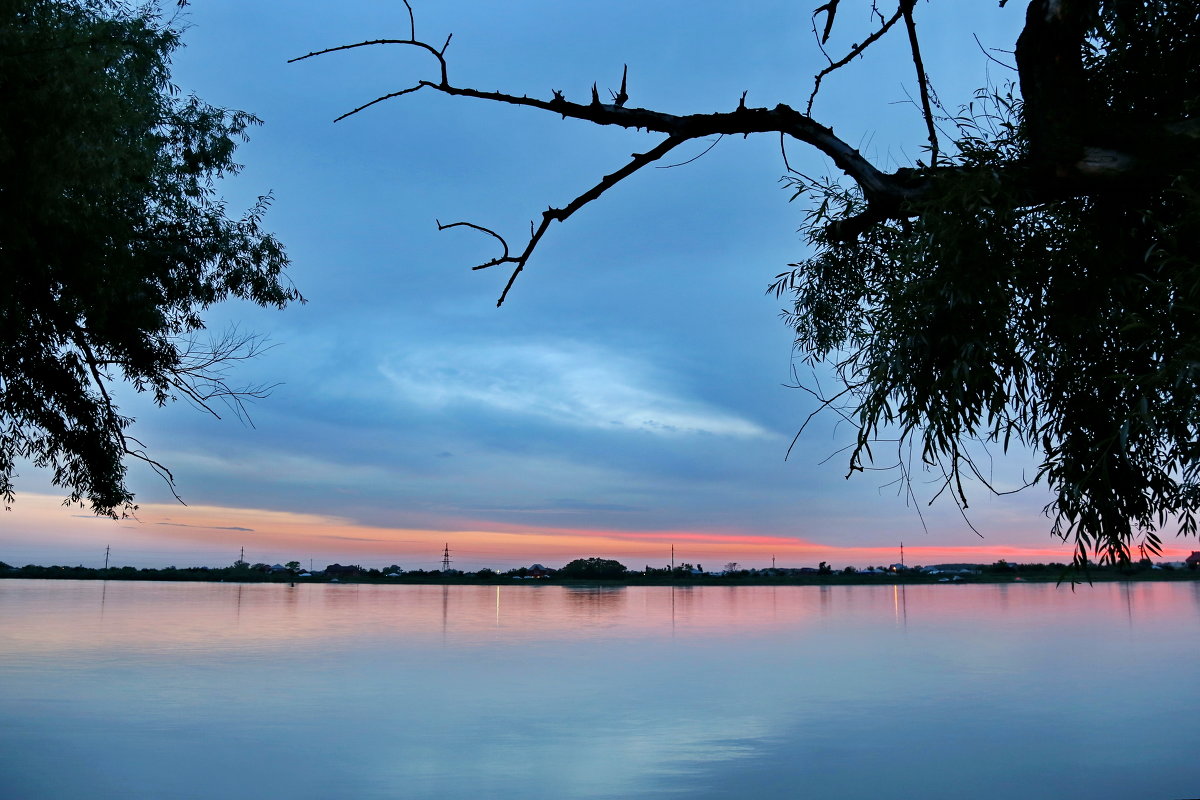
(1009, 573)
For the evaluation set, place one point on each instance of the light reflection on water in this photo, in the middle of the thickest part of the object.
(114, 690)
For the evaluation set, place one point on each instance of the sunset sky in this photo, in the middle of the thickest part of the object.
(632, 392)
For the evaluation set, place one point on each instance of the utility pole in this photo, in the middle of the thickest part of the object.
(446, 558)
(772, 562)
(902, 554)
(107, 547)
(672, 558)
(242, 556)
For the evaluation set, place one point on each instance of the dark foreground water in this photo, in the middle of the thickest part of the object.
(173, 690)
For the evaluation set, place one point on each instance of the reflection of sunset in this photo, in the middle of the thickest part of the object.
(164, 618)
(408, 684)
(40, 530)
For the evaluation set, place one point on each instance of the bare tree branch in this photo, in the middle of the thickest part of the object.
(697, 157)
(830, 10)
(886, 195)
(922, 79)
(638, 161)
(855, 51)
(438, 53)
(780, 119)
(412, 21)
(991, 57)
(201, 371)
(883, 193)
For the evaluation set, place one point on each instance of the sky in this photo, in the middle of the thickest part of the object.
(632, 394)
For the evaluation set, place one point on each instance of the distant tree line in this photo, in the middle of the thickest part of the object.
(602, 570)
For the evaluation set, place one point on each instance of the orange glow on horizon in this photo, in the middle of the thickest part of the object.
(164, 531)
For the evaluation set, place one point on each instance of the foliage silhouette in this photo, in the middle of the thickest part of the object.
(593, 569)
(113, 241)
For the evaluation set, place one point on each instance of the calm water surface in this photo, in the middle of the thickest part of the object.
(174, 690)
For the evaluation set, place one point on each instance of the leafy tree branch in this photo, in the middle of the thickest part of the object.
(1034, 281)
(113, 242)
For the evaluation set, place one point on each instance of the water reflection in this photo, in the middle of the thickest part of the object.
(900, 604)
(595, 602)
(203, 690)
(129, 614)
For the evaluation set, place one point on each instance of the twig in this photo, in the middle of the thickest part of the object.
(855, 51)
(412, 22)
(693, 158)
(922, 79)
(991, 57)
(638, 161)
(830, 10)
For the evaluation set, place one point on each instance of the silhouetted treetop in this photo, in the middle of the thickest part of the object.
(113, 241)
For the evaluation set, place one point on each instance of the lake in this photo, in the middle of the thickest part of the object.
(211, 690)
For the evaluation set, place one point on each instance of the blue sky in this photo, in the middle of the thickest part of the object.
(631, 392)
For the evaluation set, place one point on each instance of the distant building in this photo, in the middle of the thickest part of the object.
(1193, 561)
